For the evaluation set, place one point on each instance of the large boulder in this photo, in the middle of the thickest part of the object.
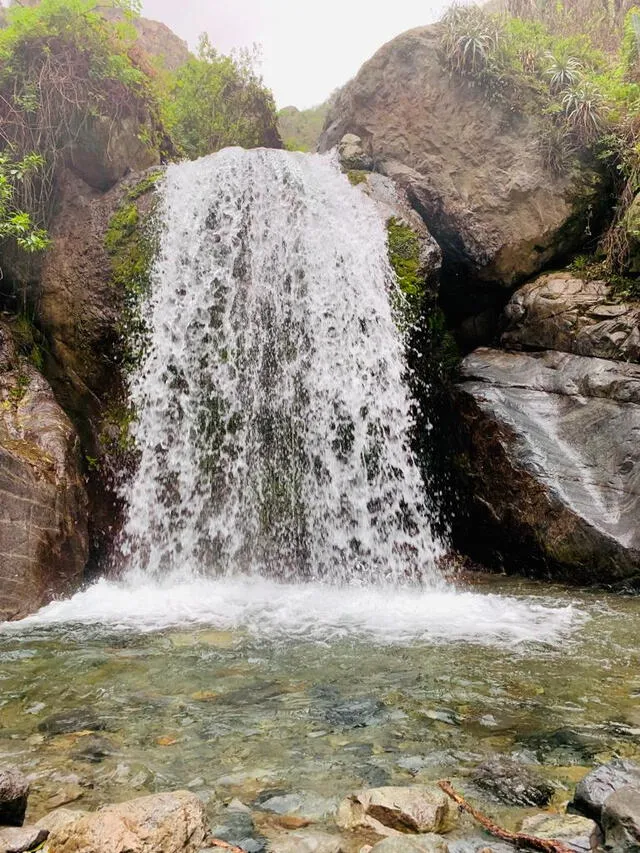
(43, 535)
(14, 793)
(596, 787)
(576, 832)
(472, 167)
(171, 823)
(559, 311)
(621, 820)
(553, 463)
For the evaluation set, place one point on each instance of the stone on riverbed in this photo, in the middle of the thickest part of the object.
(14, 839)
(621, 820)
(308, 841)
(577, 832)
(391, 810)
(68, 722)
(593, 791)
(60, 818)
(428, 843)
(14, 791)
(513, 783)
(171, 823)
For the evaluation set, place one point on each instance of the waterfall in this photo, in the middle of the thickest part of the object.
(273, 416)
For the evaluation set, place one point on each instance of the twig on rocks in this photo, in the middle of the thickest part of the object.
(519, 839)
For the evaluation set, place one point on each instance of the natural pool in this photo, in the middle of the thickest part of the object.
(299, 693)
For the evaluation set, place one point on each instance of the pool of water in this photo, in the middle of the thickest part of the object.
(259, 691)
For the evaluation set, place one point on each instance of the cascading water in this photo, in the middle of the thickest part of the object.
(273, 415)
(273, 428)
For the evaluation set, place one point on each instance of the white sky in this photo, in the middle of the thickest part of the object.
(309, 47)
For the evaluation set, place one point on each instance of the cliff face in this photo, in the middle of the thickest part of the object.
(473, 168)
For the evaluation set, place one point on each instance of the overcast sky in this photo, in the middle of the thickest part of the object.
(309, 47)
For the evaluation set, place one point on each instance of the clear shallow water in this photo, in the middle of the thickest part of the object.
(291, 690)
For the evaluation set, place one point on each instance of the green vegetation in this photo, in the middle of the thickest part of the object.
(357, 176)
(300, 129)
(214, 101)
(578, 76)
(17, 179)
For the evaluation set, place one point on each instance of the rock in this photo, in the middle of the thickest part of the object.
(94, 749)
(428, 843)
(307, 841)
(577, 832)
(107, 150)
(551, 442)
(513, 783)
(14, 793)
(472, 168)
(155, 39)
(58, 819)
(74, 720)
(621, 820)
(352, 154)
(593, 791)
(565, 313)
(342, 713)
(172, 822)
(389, 811)
(21, 839)
(44, 539)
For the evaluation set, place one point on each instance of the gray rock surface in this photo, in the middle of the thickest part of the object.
(472, 168)
(554, 467)
(14, 793)
(171, 823)
(596, 787)
(352, 154)
(21, 839)
(428, 843)
(621, 820)
(307, 841)
(43, 535)
(577, 832)
(561, 312)
(513, 783)
(392, 810)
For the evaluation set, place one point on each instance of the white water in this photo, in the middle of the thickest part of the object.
(273, 429)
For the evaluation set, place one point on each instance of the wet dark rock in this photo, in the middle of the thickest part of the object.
(75, 720)
(346, 713)
(14, 792)
(254, 693)
(21, 839)
(376, 777)
(621, 820)
(513, 783)
(563, 747)
(94, 749)
(238, 829)
(593, 791)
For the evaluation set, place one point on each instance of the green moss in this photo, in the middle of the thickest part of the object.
(357, 176)
(16, 394)
(145, 185)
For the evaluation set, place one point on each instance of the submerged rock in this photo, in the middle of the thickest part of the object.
(513, 783)
(621, 820)
(561, 312)
(428, 843)
(14, 793)
(172, 823)
(307, 841)
(594, 790)
(74, 720)
(554, 463)
(389, 811)
(472, 168)
(577, 832)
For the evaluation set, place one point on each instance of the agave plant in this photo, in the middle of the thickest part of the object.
(585, 111)
(470, 37)
(563, 72)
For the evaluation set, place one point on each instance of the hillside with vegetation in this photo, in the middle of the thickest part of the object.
(300, 129)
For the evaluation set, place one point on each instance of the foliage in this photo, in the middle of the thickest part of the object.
(214, 101)
(62, 67)
(585, 111)
(300, 129)
(357, 176)
(16, 180)
(404, 255)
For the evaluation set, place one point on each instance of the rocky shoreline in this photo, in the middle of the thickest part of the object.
(604, 814)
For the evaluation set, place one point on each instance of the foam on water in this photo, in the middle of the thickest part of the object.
(316, 611)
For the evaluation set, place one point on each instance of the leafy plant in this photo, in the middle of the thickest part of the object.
(563, 72)
(16, 179)
(585, 111)
(471, 37)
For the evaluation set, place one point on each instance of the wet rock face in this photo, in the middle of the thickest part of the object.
(593, 791)
(14, 793)
(44, 539)
(472, 169)
(173, 823)
(568, 314)
(513, 783)
(554, 467)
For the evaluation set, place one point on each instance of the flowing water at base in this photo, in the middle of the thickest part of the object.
(253, 690)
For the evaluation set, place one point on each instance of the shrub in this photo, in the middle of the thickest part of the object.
(470, 39)
(585, 110)
(563, 73)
